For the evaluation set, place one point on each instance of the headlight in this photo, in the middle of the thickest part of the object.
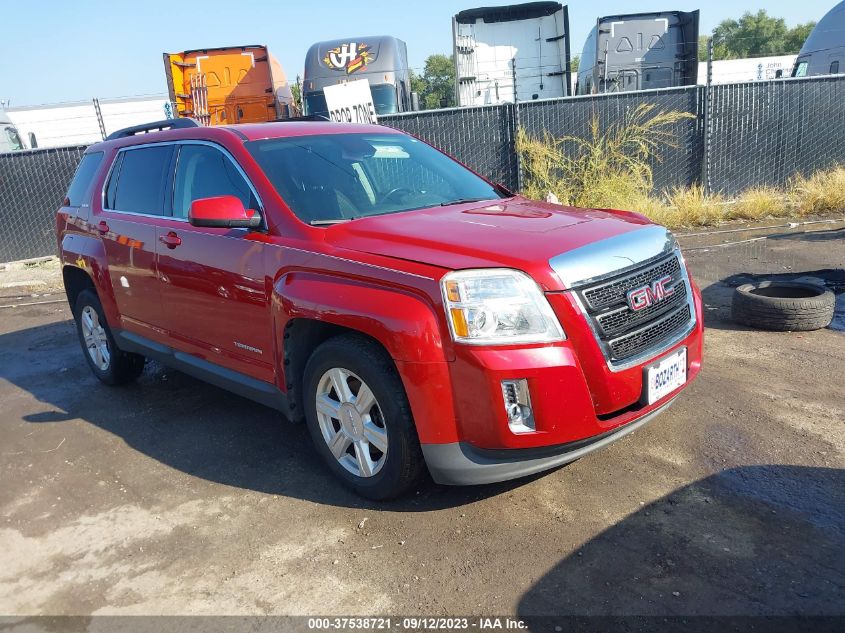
(498, 306)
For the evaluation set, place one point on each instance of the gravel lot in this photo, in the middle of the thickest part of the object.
(172, 497)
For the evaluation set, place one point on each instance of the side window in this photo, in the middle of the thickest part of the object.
(13, 138)
(834, 67)
(800, 70)
(203, 171)
(138, 179)
(81, 183)
(111, 185)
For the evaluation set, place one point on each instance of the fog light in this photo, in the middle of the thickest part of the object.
(518, 406)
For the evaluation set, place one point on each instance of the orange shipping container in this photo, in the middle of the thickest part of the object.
(218, 86)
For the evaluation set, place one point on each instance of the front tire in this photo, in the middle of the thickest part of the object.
(359, 418)
(108, 363)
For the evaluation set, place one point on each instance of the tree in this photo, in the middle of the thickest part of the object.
(797, 35)
(702, 47)
(436, 86)
(417, 84)
(296, 93)
(574, 63)
(756, 35)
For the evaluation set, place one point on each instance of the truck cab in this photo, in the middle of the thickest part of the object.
(10, 138)
(219, 86)
(824, 51)
(381, 60)
(512, 53)
(640, 51)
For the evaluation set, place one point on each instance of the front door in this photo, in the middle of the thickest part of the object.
(214, 292)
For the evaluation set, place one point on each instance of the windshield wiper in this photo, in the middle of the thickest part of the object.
(328, 222)
(461, 201)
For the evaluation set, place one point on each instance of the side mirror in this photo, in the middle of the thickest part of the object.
(222, 212)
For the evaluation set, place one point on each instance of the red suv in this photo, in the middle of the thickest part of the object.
(411, 313)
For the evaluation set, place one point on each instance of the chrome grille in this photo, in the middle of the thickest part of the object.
(641, 340)
(614, 292)
(625, 334)
(619, 320)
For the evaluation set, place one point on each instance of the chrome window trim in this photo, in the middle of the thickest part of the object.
(178, 144)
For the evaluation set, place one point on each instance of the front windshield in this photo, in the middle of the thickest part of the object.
(13, 138)
(337, 177)
(315, 103)
(384, 98)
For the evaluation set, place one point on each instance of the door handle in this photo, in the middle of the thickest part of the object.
(102, 227)
(171, 240)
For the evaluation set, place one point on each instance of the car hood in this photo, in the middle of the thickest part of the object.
(513, 233)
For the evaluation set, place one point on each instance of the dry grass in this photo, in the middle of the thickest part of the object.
(609, 167)
(822, 192)
(611, 170)
(759, 203)
(694, 208)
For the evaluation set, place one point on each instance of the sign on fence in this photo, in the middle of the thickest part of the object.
(351, 102)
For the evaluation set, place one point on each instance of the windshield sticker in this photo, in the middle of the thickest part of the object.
(390, 151)
(351, 57)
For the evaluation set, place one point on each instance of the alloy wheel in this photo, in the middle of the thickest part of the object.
(94, 335)
(351, 422)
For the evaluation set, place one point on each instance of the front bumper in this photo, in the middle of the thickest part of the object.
(459, 463)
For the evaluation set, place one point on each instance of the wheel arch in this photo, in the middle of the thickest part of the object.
(313, 308)
(301, 337)
(84, 264)
(75, 281)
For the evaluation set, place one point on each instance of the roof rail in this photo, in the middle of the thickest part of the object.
(303, 118)
(167, 124)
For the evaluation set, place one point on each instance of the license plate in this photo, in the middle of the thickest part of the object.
(666, 375)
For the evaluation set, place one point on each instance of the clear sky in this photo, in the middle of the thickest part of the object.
(61, 50)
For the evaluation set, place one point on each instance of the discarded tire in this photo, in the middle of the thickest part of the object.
(783, 306)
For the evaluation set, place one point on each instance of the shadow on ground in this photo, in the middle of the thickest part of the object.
(191, 426)
(749, 541)
(811, 236)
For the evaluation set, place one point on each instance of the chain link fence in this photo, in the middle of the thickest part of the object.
(32, 186)
(741, 136)
(482, 137)
(675, 166)
(763, 133)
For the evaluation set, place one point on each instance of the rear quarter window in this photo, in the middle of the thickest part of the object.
(80, 186)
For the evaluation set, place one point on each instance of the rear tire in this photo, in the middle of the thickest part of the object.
(783, 306)
(368, 424)
(108, 363)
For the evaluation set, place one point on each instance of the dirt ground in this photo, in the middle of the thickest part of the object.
(172, 497)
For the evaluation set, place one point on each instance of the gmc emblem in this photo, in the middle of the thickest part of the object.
(640, 298)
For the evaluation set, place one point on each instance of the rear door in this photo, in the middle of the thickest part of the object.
(213, 285)
(125, 218)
